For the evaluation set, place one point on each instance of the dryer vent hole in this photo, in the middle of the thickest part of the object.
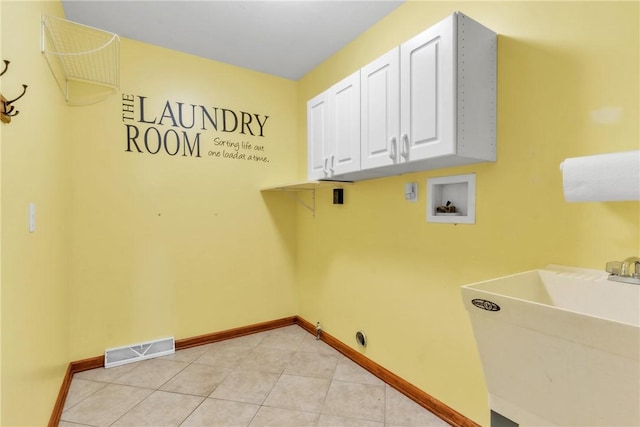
(361, 338)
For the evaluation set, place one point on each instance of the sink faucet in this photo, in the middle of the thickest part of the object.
(627, 271)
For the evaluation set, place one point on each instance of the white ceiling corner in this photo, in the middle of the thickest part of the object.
(282, 38)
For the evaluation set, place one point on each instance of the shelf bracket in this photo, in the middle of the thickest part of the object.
(311, 207)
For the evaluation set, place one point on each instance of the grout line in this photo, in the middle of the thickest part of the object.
(194, 409)
(87, 396)
(386, 388)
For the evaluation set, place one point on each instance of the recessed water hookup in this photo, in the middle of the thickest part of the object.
(452, 199)
(361, 338)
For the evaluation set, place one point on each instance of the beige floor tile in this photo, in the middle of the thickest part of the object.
(187, 355)
(333, 421)
(104, 374)
(252, 340)
(219, 413)
(79, 390)
(68, 424)
(298, 393)
(287, 338)
(312, 365)
(402, 411)
(267, 360)
(347, 370)
(223, 355)
(160, 409)
(297, 379)
(354, 400)
(106, 405)
(294, 331)
(277, 417)
(310, 344)
(151, 373)
(199, 380)
(246, 386)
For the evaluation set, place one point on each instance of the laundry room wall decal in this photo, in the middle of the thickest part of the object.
(178, 129)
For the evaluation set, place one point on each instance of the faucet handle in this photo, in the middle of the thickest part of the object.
(614, 267)
(636, 272)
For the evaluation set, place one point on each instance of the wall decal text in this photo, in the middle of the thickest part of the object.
(179, 129)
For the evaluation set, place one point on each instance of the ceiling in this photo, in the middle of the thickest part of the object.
(282, 38)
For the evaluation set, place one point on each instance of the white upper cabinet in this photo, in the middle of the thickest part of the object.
(429, 103)
(318, 131)
(345, 123)
(333, 130)
(380, 111)
(427, 98)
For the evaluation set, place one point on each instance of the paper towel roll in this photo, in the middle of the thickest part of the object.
(602, 178)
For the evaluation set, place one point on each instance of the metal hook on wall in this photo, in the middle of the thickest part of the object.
(6, 66)
(7, 111)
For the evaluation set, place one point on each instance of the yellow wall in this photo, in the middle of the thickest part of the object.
(178, 245)
(133, 246)
(0, 248)
(376, 264)
(35, 267)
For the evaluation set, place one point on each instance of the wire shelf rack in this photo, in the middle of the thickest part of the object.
(85, 61)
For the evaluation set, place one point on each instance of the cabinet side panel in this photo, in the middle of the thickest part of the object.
(476, 90)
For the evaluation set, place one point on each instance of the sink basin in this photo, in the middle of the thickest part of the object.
(559, 346)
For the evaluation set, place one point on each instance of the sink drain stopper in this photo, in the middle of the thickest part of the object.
(361, 338)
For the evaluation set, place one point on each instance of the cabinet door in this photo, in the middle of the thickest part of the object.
(427, 94)
(345, 126)
(318, 136)
(380, 104)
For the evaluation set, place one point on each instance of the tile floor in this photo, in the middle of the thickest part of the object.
(282, 377)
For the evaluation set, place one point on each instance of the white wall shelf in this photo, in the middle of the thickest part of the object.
(294, 188)
(460, 191)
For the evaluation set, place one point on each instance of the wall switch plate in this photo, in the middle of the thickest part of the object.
(411, 191)
(32, 217)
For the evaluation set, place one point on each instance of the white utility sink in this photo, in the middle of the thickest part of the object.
(559, 346)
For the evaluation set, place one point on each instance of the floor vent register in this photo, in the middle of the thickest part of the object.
(136, 352)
